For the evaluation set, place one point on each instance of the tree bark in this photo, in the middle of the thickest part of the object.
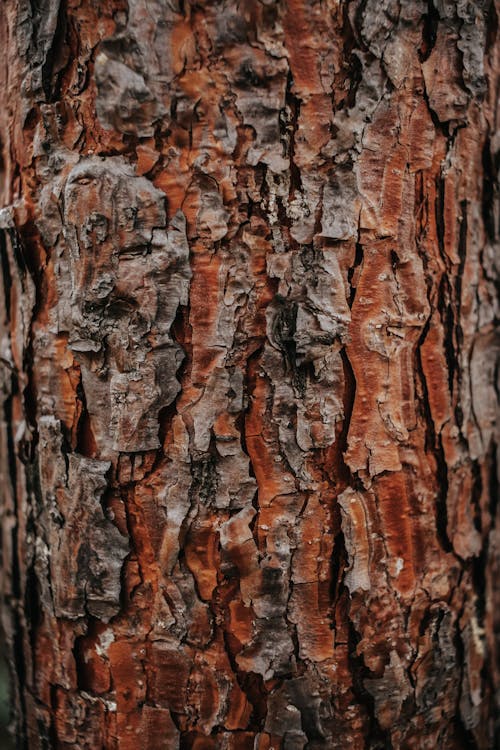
(249, 352)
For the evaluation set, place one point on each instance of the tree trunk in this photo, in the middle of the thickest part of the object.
(248, 366)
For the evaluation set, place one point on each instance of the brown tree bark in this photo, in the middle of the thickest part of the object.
(249, 355)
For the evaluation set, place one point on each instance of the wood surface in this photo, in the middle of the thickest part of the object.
(249, 373)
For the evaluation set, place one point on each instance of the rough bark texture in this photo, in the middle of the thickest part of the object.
(248, 369)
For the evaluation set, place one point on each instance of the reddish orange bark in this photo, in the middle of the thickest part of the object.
(249, 321)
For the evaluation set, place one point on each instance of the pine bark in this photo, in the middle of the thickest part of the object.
(249, 373)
